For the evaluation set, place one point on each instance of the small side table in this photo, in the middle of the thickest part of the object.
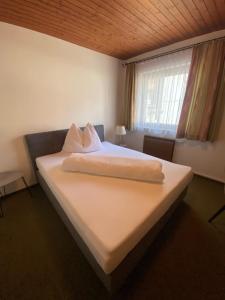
(7, 178)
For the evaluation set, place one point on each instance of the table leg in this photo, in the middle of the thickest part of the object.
(26, 185)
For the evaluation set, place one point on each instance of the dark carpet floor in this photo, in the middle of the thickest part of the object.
(40, 260)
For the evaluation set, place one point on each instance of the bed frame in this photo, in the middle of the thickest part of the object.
(44, 143)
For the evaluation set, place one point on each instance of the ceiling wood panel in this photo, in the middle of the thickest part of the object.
(116, 27)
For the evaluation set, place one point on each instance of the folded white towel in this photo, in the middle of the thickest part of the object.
(122, 167)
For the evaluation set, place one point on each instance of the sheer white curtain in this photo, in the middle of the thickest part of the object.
(160, 90)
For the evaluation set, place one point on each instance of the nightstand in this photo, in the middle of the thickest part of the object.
(7, 178)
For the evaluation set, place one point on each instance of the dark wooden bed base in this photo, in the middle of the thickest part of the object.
(44, 143)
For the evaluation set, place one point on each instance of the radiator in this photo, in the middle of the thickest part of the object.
(159, 147)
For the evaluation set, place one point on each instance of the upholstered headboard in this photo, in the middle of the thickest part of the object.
(44, 143)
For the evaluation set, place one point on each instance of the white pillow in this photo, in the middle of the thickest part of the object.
(73, 140)
(78, 141)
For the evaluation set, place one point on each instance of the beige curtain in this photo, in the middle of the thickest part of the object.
(129, 96)
(204, 95)
(219, 109)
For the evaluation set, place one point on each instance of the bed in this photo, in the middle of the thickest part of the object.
(113, 220)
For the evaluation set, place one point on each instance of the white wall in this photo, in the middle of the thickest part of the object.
(46, 84)
(207, 159)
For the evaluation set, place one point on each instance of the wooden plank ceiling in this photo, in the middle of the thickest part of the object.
(120, 28)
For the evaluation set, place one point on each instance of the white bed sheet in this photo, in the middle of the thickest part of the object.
(112, 215)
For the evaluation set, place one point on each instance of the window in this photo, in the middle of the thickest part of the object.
(160, 90)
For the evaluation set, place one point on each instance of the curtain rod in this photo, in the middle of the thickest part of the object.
(172, 51)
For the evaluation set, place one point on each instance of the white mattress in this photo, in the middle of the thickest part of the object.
(111, 214)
